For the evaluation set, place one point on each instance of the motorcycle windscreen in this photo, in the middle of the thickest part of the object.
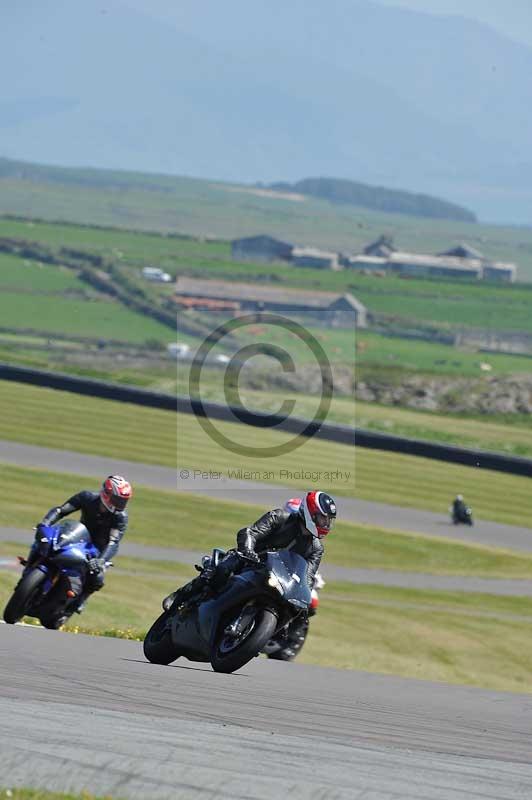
(71, 532)
(72, 546)
(290, 569)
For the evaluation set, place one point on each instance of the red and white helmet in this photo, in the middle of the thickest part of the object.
(318, 512)
(115, 493)
(293, 505)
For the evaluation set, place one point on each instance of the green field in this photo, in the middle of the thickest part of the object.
(19, 273)
(50, 299)
(100, 318)
(429, 302)
(393, 355)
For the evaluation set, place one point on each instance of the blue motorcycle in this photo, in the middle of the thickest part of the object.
(53, 576)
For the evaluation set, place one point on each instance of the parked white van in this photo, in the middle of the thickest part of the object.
(156, 274)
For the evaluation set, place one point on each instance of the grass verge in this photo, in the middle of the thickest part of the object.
(480, 640)
(186, 521)
(47, 417)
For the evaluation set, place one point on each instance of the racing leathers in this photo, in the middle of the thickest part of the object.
(280, 530)
(277, 529)
(106, 529)
(459, 509)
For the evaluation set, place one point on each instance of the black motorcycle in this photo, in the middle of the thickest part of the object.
(462, 516)
(232, 626)
(58, 560)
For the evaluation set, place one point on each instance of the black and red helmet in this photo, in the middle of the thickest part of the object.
(318, 512)
(115, 493)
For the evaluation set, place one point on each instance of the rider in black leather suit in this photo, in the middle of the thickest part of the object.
(277, 529)
(105, 517)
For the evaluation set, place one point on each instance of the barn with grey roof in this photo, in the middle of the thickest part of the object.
(329, 308)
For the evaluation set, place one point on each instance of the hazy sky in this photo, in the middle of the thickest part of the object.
(512, 17)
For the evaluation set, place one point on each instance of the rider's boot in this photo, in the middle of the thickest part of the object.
(80, 606)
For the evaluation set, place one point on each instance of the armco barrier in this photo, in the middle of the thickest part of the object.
(343, 434)
(86, 386)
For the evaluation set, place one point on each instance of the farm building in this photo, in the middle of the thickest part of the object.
(382, 247)
(312, 257)
(260, 248)
(366, 262)
(463, 250)
(460, 261)
(437, 266)
(499, 271)
(329, 308)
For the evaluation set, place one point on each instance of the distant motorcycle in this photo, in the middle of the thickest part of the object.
(232, 626)
(461, 516)
(288, 641)
(59, 554)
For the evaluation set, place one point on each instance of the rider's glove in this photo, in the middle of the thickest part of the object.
(96, 565)
(249, 555)
(40, 528)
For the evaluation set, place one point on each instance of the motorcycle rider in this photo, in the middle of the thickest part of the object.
(301, 532)
(459, 508)
(104, 515)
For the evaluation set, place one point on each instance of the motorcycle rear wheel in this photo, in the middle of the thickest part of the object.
(54, 621)
(250, 646)
(158, 646)
(21, 598)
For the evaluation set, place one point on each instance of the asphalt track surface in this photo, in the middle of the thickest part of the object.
(263, 494)
(90, 713)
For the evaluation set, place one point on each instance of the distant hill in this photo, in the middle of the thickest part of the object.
(377, 198)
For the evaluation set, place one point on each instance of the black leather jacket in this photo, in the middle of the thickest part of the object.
(278, 529)
(105, 527)
(459, 508)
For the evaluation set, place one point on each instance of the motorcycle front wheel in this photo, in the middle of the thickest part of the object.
(228, 656)
(23, 595)
(158, 646)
